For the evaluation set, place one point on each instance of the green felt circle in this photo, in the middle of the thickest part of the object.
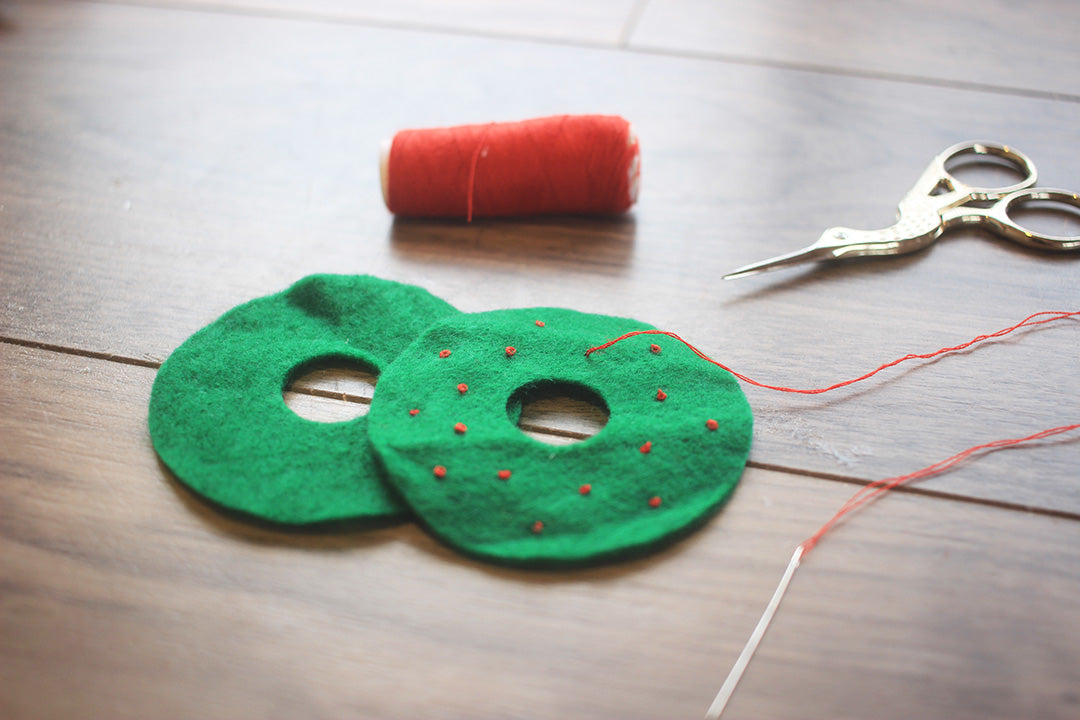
(218, 419)
(690, 468)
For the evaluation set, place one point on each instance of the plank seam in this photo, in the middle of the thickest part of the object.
(621, 44)
(348, 397)
(915, 490)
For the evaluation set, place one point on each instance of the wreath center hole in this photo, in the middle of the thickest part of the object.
(557, 412)
(331, 390)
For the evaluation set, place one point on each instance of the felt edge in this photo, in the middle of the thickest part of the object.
(397, 512)
(644, 547)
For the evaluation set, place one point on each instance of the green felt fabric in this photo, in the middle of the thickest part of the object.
(218, 419)
(690, 468)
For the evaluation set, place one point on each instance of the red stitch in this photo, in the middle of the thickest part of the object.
(444, 353)
(439, 471)
(510, 350)
(585, 489)
(460, 428)
(711, 424)
(655, 349)
(647, 447)
(661, 395)
(537, 527)
(462, 388)
(504, 474)
(414, 411)
(539, 323)
(654, 501)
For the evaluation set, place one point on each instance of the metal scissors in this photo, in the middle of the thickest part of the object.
(938, 202)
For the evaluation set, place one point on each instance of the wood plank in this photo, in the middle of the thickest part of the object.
(124, 593)
(1023, 47)
(161, 167)
(603, 22)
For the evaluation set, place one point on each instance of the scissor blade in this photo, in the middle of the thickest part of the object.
(806, 255)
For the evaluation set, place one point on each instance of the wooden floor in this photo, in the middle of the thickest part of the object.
(161, 162)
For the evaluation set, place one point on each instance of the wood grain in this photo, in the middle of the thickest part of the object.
(126, 596)
(164, 160)
(602, 22)
(1014, 47)
(168, 165)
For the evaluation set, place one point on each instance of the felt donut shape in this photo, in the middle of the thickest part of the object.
(444, 425)
(219, 422)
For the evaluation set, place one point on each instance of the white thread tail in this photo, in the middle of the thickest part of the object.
(726, 690)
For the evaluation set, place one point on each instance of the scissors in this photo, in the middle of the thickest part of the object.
(937, 203)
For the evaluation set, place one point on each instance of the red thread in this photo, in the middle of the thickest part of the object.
(655, 348)
(462, 388)
(562, 164)
(537, 527)
(655, 501)
(439, 471)
(510, 350)
(1044, 317)
(661, 395)
(460, 428)
(646, 448)
(539, 323)
(504, 474)
(585, 489)
(711, 424)
(873, 490)
(414, 411)
(444, 353)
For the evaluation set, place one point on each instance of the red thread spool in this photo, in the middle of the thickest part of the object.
(566, 164)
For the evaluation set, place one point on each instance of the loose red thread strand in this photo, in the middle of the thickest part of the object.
(875, 489)
(863, 496)
(1043, 317)
(868, 493)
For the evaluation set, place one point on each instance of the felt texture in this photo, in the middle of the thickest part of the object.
(444, 426)
(219, 421)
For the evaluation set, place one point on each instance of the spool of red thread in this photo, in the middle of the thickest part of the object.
(566, 164)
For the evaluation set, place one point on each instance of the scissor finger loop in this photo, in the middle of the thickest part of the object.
(939, 175)
(998, 217)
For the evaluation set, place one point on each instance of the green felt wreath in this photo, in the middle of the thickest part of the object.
(218, 419)
(444, 425)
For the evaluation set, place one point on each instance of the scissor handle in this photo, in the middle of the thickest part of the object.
(998, 219)
(938, 174)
